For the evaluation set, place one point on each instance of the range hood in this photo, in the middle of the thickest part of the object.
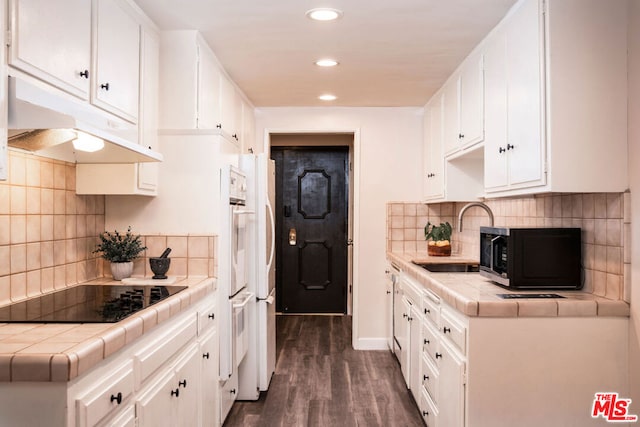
(46, 123)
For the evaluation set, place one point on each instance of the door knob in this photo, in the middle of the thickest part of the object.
(292, 237)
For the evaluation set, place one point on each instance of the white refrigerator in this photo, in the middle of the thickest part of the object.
(258, 366)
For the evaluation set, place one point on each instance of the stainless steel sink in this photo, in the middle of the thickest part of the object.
(450, 267)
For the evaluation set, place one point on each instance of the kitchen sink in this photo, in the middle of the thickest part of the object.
(449, 267)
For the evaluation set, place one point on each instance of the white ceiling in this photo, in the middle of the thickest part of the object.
(391, 53)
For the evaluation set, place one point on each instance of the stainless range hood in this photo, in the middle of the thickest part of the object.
(45, 122)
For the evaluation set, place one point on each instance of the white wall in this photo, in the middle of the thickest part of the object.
(634, 181)
(389, 165)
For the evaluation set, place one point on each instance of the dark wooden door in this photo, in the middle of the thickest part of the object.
(311, 229)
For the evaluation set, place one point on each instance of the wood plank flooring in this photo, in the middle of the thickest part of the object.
(321, 381)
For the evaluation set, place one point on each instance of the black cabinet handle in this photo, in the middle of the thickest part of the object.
(233, 391)
(427, 311)
(404, 315)
(445, 330)
(388, 292)
(461, 135)
(501, 150)
(205, 355)
(426, 341)
(425, 377)
(510, 147)
(104, 86)
(410, 319)
(84, 74)
(438, 355)
(425, 413)
(182, 383)
(175, 392)
(117, 398)
(219, 126)
(212, 316)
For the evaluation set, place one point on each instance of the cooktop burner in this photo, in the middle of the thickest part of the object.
(87, 304)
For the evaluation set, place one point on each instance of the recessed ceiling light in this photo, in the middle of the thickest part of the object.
(324, 14)
(328, 97)
(326, 62)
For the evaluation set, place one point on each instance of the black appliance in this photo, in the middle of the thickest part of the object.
(87, 304)
(532, 258)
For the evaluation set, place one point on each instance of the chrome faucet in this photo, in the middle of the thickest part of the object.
(470, 205)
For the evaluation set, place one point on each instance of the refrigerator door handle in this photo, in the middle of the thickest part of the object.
(273, 234)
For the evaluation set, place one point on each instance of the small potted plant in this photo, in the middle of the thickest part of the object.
(440, 235)
(120, 250)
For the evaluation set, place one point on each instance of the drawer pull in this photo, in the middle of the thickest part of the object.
(175, 392)
(104, 86)
(425, 378)
(205, 355)
(445, 330)
(426, 341)
(425, 413)
(404, 315)
(233, 391)
(212, 316)
(182, 383)
(117, 398)
(84, 74)
(427, 311)
(438, 355)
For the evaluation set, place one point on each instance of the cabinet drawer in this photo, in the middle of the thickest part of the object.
(431, 309)
(454, 330)
(105, 396)
(430, 377)
(126, 418)
(430, 341)
(207, 317)
(428, 410)
(155, 355)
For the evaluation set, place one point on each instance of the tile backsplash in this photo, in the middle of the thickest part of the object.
(48, 233)
(603, 217)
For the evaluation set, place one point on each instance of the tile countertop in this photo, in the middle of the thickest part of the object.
(475, 295)
(59, 352)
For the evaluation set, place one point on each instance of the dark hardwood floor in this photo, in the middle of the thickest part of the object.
(321, 381)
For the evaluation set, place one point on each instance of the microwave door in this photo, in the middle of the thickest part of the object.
(498, 260)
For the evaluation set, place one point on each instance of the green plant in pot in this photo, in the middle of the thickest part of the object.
(120, 250)
(440, 235)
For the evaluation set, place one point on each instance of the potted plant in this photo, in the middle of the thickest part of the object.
(440, 235)
(120, 250)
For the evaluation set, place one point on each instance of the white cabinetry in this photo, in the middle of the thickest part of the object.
(117, 60)
(433, 159)
(132, 178)
(514, 145)
(547, 71)
(52, 41)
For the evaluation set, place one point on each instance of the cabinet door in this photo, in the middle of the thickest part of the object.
(405, 344)
(415, 350)
(524, 95)
(209, 379)
(434, 158)
(208, 88)
(117, 60)
(496, 173)
(471, 101)
(390, 277)
(188, 382)
(227, 106)
(451, 385)
(157, 406)
(52, 41)
(451, 120)
(148, 126)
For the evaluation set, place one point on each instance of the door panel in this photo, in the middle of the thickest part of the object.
(311, 211)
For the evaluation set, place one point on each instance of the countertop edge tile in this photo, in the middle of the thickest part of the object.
(476, 296)
(31, 367)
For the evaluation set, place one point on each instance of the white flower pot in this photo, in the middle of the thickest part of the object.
(121, 270)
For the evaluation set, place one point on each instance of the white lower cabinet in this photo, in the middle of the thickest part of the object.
(167, 377)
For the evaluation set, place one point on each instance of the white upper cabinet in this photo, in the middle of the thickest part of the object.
(556, 98)
(514, 134)
(117, 60)
(433, 170)
(208, 96)
(228, 103)
(51, 40)
(463, 106)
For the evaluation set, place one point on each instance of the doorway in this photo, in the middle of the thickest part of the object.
(312, 227)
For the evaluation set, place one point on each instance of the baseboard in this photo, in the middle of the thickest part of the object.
(371, 344)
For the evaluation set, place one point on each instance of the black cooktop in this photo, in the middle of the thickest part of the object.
(87, 304)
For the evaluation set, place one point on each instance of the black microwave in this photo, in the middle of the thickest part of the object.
(532, 258)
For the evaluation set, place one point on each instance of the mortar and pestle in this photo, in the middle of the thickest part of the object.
(160, 265)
